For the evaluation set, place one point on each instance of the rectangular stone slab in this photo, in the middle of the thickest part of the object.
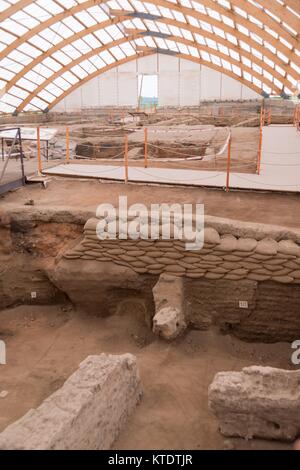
(261, 402)
(86, 413)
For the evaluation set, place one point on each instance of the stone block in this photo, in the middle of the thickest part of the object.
(86, 413)
(260, 402)
(169, 320)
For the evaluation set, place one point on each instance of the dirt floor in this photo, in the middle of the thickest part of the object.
(86, 195)
(14, 169)
(103, 138)
(45, 344)
(171, 149)
(244, 147)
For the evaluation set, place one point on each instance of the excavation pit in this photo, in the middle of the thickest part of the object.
(45, 345)
(50, 325)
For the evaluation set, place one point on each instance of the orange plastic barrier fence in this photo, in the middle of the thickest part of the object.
(262, 121)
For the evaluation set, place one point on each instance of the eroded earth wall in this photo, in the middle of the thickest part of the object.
(48, 253)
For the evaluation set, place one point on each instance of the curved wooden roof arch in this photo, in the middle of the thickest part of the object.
(120, 18)
(259, 39)
(145, 53)
(134, 36)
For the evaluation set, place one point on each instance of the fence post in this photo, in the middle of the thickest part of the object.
(228, 163)
(126, 157)
(38, 140)
(67, 145)
(262, 119)
(21, 155)
(146, 146)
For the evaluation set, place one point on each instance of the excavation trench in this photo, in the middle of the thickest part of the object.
(56, 310)
(46, 259)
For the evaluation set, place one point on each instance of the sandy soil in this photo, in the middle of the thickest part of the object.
(45, 344)
(86, 195)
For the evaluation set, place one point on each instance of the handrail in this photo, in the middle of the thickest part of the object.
(17, 137)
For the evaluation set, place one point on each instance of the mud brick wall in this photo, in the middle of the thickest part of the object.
(229, 253)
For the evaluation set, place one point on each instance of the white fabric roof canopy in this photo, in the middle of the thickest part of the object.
(50, 47)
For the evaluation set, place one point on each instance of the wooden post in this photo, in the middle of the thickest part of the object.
(38, 141)
(126, 157)
(262, 119)
(259, 152)
(67, 145)
(228, 163)
(146, 146)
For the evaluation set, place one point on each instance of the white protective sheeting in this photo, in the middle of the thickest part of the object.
(190, 85)
(50, 47)
(29, 133)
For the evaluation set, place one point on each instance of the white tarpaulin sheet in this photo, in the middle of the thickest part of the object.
(28, 133)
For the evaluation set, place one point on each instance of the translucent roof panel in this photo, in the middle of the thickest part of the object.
(48, 48)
